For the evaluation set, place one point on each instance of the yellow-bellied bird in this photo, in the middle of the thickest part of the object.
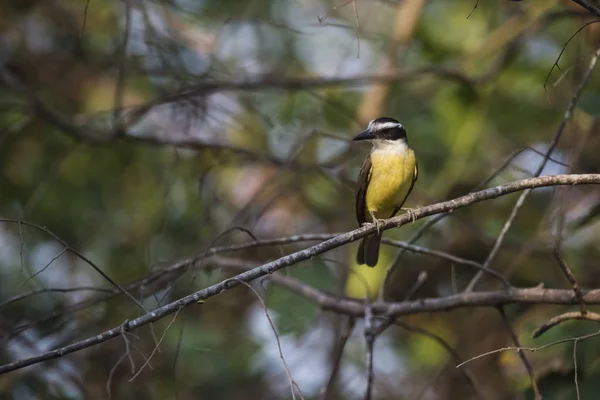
(386, 178)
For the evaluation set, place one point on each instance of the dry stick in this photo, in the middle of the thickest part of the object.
(532, 349)
(156, 346)
(575, 373)
(85, 14)
(111, 373)
(535, 295)
(572, 280)
(588, 316)
(128, 350)
(524, 359)
(555, 65)
(293, 383)
(63, 251)
(337, 359)
(323, 18)
(566, 117)
(78, 254)
(474, 8)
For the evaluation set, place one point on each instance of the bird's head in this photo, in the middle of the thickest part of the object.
(383, 129)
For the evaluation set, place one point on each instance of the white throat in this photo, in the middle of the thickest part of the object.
(392, 146)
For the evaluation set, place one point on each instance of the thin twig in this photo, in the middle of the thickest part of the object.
(63, 251)
(572, 281)
(127, 349)
(85, 14)
(333, 9)
(156, 346)
(522, 356)
(293, 383)
(555, 65)
(575, 372)
(588, 316)
(111, 374)
(531, 349)
(474, 8)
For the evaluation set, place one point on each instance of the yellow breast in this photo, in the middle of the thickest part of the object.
(392, 172)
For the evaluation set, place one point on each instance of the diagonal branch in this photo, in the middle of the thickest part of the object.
(535, 295)
(588, 6)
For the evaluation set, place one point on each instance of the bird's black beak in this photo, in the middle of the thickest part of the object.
(366, 135)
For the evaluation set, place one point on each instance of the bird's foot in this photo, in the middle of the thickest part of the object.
(378, 222)
(411, 213)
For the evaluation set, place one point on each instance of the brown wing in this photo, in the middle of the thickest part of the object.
(415, 176)
(361, 191)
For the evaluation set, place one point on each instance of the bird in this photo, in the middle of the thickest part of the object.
(386, 178)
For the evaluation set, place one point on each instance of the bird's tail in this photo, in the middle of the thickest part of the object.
(368, 250)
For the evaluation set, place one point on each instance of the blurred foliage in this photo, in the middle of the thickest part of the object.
(275, 157)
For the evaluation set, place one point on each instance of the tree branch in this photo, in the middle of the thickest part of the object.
(526, 296)
(590, 7)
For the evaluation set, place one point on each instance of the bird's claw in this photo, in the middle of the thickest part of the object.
(411, 213)
(378, 222)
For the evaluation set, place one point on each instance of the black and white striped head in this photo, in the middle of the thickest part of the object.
(384, 128)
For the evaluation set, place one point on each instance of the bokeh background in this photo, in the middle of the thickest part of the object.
(144, 132)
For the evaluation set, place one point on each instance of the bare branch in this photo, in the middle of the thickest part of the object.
(350, 307)
(555, 65)
(572, 280)
(575, 372)
(111, 374)
(588, 316)
(56, 257)
(85, 15)
(532, 349)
